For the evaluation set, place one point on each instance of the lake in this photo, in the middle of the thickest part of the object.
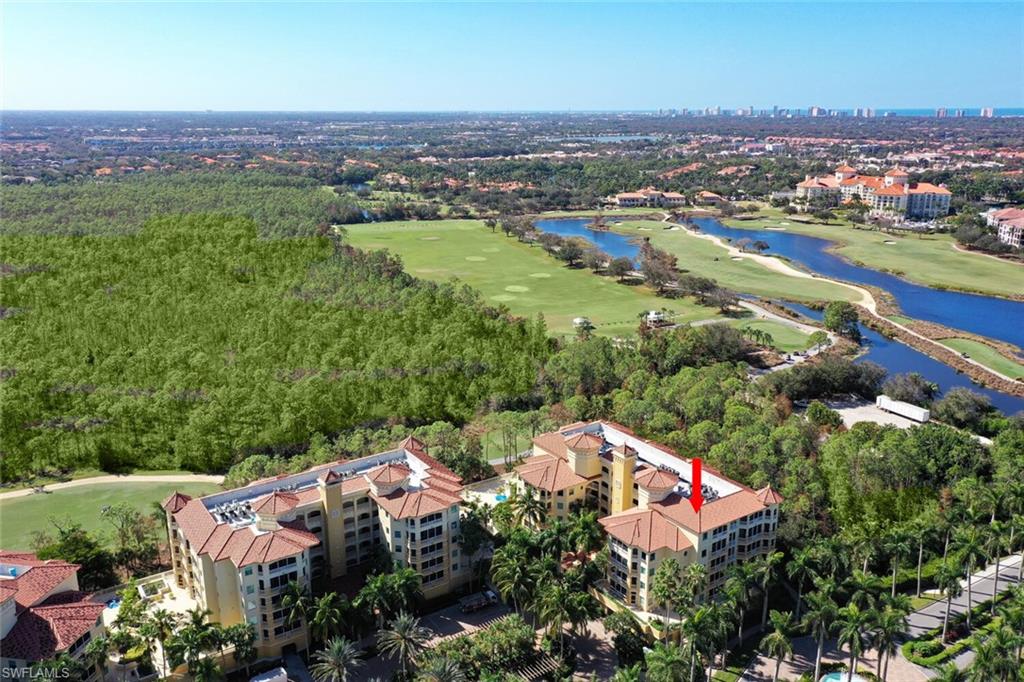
(896, 357)
(996, 318)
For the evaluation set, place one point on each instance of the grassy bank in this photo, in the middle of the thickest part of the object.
(518, 275)
(925, 259)
(986, 355)
(784, 338)
(21, 517)
(705, 258)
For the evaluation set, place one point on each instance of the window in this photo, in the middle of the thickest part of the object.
(248, 570)
(455, 567)
(398, 534)
(249, 589)
(313, 515)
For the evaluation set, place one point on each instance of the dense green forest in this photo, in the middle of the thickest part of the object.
(194, 342)
(281, 205)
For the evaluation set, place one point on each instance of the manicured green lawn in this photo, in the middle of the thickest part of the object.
(705, 258)
(986, 356)
(926, 259)
(20, 517)
(520, 276)
(784, 338)
(607, 212)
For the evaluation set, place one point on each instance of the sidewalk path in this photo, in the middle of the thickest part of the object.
(94, 480)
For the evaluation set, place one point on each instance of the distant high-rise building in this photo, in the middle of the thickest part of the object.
(775, 111)
(959, 113)
(988, 112)
(818, 111)
(940, 112)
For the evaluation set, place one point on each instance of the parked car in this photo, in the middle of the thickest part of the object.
(480, 600)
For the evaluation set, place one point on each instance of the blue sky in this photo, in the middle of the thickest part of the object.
(461, 56)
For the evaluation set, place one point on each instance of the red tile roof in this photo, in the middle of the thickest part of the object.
(645, 529)
(891, 191)
(927, 188)
(276, 502)
(584, 441)
(175, 502)
(39, 579)
(896, 173)
(389, 473)
(713, 514)
(51, 627)
(549, 473)
(403, 504)
(768, 495)
(656, 479)
(845, 169)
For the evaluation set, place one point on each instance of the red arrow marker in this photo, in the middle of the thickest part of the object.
(696, 492)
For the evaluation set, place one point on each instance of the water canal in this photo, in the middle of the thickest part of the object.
(998, 318)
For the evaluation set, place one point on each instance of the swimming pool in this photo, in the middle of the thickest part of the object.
(841, 677)
(501, 498)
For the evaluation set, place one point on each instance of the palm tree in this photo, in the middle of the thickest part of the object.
(404, 639)
(206, 670)
(970, 544)
(529, 508)
(950, 673)
(334, 662)
(800, 569)
(328, 616)
(97, 655)
(764, 573)
(512, 576)
(408, 588)
(738, 588)
(296, 601)
(947, 579)
(897, 545)
(439, 669)
(586, 534)
(777, 643)
(631, 674)
(665, 663)
(889, 627)
(923, 528)
(695, 630)
(1012, 613)
(863, 588)
(821, 618)
(242, 636)
(553, 608)
(165, 622)
(854, 623)
(993, 659)
(718, 632)
(997, 542)
(664, 586)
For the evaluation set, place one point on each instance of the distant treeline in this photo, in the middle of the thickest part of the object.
(280, 205)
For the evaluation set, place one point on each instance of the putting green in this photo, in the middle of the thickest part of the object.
(559, 292)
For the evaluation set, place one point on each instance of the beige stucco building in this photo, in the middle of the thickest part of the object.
(643, 490)
(236, 551)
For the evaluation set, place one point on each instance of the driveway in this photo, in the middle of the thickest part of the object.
(595, 654)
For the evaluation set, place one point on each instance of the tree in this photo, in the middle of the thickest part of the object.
(336, 661)
(666, 663)
(777, 644)
(585, 532)
(657, 267)
(206, 670)
(854, 623)
(947, 579)
(970, 544)
(821, 618)
(530, 508)
(738, 586)
(897, 545)
(889, 628)
(910, 388)
(963, 408)
(553, 609)
(512, 576)
(403, 639)
(74, 545)
(242, 636)
(329, 616)
(441, 670)
(841, 318)
(801, 569)
(620, 267)
(764, 573)
(665, 586)
(297, 602)
(570, 252)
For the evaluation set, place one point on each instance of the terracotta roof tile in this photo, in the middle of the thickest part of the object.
(769, 495)
(404, 504)
(175, 502)
(51, 627)
(549, 473)
(275, 502)
(645, 529)
(657, 479)
(713, 514)
(389, 473)
(39, 580)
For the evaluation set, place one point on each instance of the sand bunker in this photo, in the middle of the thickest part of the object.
(540, 275)
(735, 258)
(889, 241)
(476, 259)
(517, 288)
(777, 229)
(430, 239)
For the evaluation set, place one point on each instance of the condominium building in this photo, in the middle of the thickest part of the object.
(649, 197)
(892, 193)
(234, 552)
(1009, 224)
(43, 614)
(642, 490)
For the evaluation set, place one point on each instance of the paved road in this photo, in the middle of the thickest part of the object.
(931, 616)
(145, 478)
(762, 668)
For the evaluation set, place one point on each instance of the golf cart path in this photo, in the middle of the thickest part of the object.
(142, 478)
